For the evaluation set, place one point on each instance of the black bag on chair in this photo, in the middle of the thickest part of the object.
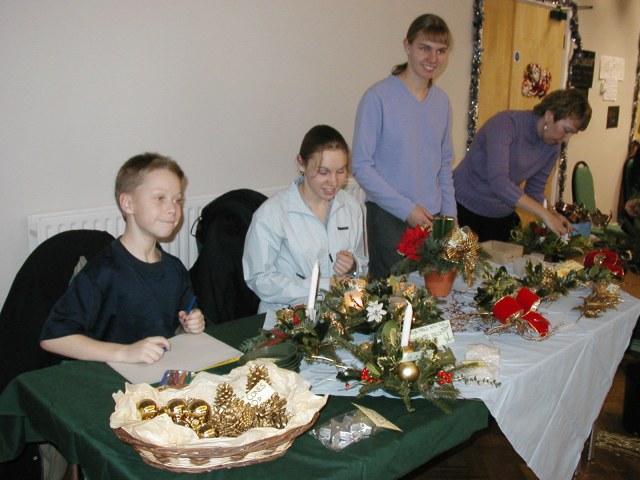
(217, 275)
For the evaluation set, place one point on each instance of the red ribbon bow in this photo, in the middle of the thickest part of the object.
(606, 258)
(523, 307)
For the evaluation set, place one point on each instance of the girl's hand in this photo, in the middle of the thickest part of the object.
(420, 216)
(345, 263)
(192, 322)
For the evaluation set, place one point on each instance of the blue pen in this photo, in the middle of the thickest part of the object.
(191, 305)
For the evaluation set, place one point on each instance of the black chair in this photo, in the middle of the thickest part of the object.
(217, 275)
(39, 283)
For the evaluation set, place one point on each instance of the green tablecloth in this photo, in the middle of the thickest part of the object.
(69, 405)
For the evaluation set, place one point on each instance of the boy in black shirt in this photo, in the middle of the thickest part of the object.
(123, 305)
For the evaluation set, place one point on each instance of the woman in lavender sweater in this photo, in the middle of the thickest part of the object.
(402, 149)
(512, 147)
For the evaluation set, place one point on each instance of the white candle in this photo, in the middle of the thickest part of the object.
(406, 325)
(313, 289)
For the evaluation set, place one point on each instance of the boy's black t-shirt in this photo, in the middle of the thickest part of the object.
(118, 298)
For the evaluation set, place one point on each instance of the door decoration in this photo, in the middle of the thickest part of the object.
(536, 81)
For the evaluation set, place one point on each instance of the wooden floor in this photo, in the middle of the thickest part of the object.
(488, 454)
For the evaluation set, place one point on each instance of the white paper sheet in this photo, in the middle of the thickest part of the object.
(188, 352)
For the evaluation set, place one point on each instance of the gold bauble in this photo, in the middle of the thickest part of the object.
(408, 371)
(176, 408)
(208, 430)
(198, 409)
(147, 408)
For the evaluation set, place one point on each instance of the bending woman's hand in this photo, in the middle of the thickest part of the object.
(420, 216)
(552, 219)
(557, 223)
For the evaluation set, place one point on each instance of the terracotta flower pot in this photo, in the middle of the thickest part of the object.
(439, 285)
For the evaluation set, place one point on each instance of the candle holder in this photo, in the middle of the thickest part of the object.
(354, 299)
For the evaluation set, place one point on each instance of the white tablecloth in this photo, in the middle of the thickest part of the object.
(551, 391)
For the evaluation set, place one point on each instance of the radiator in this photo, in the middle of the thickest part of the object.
(109, 219)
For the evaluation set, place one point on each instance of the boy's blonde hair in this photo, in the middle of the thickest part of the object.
(132, 173)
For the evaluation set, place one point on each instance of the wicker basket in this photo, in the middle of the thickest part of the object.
(202, 455)
(196, 460)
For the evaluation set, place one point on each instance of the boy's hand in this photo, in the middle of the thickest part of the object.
(148, 350)
(192, 322)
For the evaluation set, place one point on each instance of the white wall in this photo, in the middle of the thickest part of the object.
(226, 87)
(611, 28)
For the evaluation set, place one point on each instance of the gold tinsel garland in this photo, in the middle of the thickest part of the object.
(604, 295)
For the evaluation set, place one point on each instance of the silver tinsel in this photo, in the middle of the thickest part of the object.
(636, 94)
(577, 44)
(476, 64)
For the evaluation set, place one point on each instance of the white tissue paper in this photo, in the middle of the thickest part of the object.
(489, 362)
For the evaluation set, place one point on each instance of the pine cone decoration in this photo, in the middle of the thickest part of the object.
(224, 396)
(262, 416)
(257, 373)
(272, 413)
(247, 417)
(231, 419)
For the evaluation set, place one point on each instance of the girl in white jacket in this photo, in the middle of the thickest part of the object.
(313, 220)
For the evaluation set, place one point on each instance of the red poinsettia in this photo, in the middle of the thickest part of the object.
(412, 239)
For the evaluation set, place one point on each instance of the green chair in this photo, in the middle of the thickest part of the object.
(582, 187)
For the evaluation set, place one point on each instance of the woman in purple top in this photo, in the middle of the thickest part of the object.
(512, 147)
(402, 149)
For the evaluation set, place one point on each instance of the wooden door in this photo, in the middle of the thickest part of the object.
(516, 34)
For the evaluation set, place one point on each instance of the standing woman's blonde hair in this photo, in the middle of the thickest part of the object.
(432, 27)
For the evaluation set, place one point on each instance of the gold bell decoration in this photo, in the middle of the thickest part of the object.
(462, 247)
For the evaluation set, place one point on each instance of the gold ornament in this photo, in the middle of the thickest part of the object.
(257, 373)
(224, 394)
(198, 409)
(208, 430)
(603, 297)
(147, 408)
(176, 408)
(462, 247)
(408, 371)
